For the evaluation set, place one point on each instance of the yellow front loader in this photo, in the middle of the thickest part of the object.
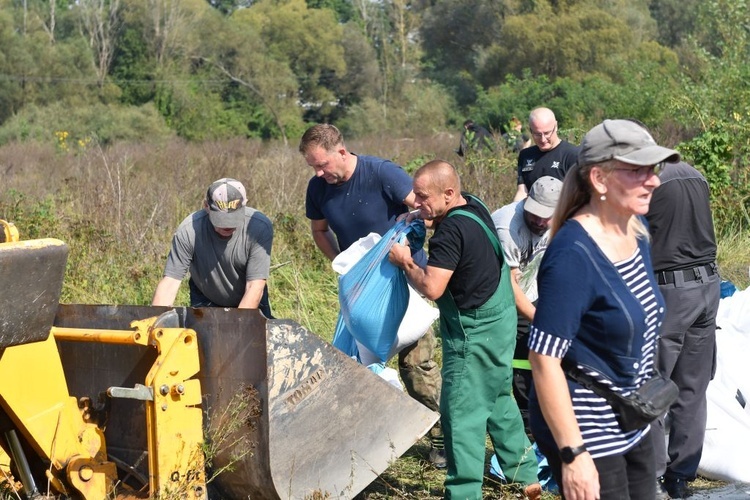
(110, 401)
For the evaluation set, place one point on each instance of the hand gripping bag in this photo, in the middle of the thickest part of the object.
(374, 296)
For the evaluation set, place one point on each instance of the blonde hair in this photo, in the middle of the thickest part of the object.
(576, 193)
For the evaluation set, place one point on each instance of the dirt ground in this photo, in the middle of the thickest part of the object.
(730, 491)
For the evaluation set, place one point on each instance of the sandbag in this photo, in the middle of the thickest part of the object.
(417, 320)
(727, 438)
(380, 313)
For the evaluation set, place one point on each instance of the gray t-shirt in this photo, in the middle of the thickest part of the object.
(522, 248)
(220, 268)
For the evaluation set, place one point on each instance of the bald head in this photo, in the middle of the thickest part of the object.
(439, 175)
(437, 189)
(541, 115)
(543, 126)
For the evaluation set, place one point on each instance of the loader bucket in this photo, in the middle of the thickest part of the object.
(31, 277)
(290, 415)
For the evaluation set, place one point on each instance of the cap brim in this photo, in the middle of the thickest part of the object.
(650, 155)
(227, 219)
(536, 208)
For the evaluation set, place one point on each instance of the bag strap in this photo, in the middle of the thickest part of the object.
(586, 380)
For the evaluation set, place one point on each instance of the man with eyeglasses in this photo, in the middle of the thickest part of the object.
(683, 250)
(549, 156)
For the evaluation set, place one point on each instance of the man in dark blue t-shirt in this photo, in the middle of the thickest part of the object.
(349, 197)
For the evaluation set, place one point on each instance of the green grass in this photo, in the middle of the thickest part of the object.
(733, 256)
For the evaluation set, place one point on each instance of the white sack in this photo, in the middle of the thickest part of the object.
(727, 441)
(419, 314)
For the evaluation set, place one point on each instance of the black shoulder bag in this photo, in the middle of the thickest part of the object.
(639, 408)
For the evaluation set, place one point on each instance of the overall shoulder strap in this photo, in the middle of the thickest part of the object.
(490, 234)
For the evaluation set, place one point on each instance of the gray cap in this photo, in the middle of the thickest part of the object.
(226, 200)
(623, 140)
(543, 197)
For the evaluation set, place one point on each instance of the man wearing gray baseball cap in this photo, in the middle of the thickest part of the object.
(523, 230)
(226, 247)
(599, 312)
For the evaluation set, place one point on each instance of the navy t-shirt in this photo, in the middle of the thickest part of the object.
(533, 163)
(369, 202)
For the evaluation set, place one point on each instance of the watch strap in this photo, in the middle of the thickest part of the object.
(569, 453)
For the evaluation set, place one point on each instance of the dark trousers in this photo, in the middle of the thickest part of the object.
(522, 379)
(687, 355)
(621, 477)
(197, 299)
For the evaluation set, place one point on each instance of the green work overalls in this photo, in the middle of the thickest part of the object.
(478, 346)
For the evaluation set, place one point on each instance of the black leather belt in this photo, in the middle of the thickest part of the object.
(690, 274)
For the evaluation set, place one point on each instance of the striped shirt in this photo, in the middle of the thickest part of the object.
(599, 428)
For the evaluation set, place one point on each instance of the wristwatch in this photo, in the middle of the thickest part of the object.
(568, 454)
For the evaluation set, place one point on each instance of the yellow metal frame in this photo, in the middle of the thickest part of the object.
(49, 418)
(8, 232)
(174, 419)
(54, 425)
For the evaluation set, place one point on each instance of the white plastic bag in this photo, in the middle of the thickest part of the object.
(419, 314)
(727, 439)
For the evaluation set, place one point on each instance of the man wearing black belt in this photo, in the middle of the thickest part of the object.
(684, 252)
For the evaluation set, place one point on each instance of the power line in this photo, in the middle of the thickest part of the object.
(50, 79)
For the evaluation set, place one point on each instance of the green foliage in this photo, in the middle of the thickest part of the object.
(712, 152)
(677, 20)
(713, 105)
(243, 68)
(83, 124)
(453, 34)
(197, 112)
(422, 106)
(35, 218)
(582, 103)
(133, 70)
(308, 40)
(361, 80)
(412, 165)
(344, 9)
(715, 152)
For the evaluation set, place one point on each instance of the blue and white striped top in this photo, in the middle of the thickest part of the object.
(601, 433)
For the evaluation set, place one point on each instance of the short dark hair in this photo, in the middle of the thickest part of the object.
(324, 135)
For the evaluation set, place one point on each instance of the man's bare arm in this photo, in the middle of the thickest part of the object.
(253, 294)
(324, 238)
(166, 292)
(523, 304)
(430, 281)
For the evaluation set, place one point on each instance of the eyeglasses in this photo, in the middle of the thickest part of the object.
(544, 135)
(640, 174)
